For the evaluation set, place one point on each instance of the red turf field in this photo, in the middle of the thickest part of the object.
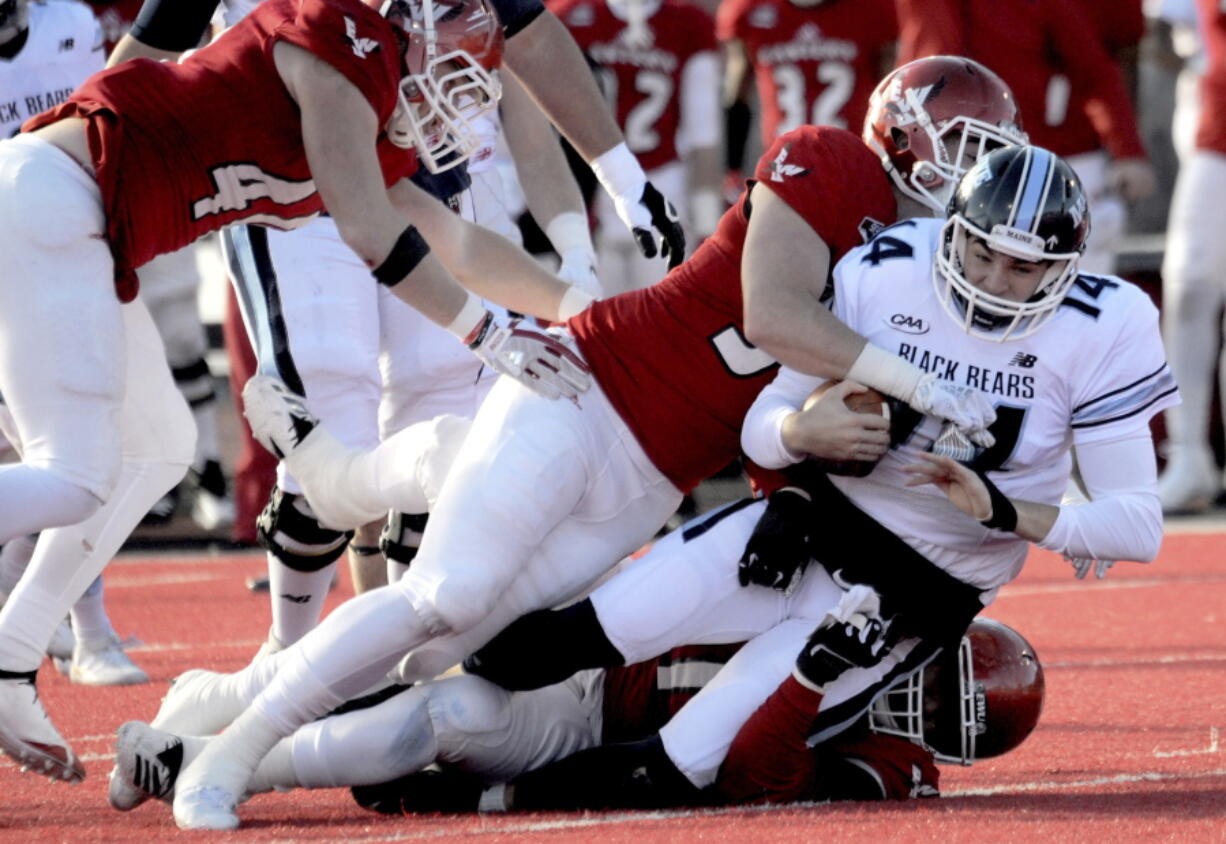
(1129, 747)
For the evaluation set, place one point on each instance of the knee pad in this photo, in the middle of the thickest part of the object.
(401, 536)
(288, 529)
(463, 706)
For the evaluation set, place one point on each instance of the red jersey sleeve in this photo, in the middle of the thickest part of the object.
(769, 760)
(355, 40)
(820, 172)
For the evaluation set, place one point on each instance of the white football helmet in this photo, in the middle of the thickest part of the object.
(451, 50)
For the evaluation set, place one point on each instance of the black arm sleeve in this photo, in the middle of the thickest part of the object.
(173, 25)
(516, 14)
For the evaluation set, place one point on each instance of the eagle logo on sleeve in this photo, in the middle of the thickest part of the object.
(780, 169)
(362, 47)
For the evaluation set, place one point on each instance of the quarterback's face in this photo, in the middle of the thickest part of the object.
(1002, 275)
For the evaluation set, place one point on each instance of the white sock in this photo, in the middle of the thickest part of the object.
(67, 559)
(14, 557)
(297, 598)
(276, 770)
(351, 650)
(90, 623)
(396, 570)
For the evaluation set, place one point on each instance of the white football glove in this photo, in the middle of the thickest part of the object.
(1081, 566)
(654, 222)
(534, 358)
(965, 407)
(579, 269)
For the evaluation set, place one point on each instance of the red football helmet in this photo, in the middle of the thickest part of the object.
(931, 118)
(451, 49)
(974, 703)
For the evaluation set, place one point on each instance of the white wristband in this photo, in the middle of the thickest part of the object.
(887, 373)
(620, 173)
(468, 319)
(568, 231)
(574, 301)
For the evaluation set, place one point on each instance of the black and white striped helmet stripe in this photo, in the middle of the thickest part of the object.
(1032, 190)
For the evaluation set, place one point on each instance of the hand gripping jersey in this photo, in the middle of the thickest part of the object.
(673, 358)
(63, 48)
(1096, 371)
(813, 64)
(642, 80)
(184, 149)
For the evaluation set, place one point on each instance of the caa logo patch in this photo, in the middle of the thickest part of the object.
(908, 324)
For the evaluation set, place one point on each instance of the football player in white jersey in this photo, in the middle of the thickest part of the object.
(47, 47)
(990, 298)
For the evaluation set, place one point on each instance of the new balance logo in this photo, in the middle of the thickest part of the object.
(362, 47)
(67, 44)
(296, 599)
(1024, 360)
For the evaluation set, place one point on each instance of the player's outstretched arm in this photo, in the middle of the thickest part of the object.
(545, 58)
(549, 187)
(486, 262)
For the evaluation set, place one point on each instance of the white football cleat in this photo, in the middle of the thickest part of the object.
(278, 416)
(205, 807)
(209, 790)
(29, 737)
(197, 704)
(1189, 482)
(147, 764)
(104, 664)
(62, 643)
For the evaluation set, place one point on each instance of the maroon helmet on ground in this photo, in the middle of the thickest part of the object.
(452, 49)
(974, 703)
(931, 118)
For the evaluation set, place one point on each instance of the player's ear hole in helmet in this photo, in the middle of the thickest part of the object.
(451, 50)
(1021, 207)
(929, 119)
(977, 701)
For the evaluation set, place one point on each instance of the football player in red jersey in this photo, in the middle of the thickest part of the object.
(815, 61)
(482, 735)
(1058, 60)
(542, 499)
(1192, 286)
(145, 158)
(660, 70)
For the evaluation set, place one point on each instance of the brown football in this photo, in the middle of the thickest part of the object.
(869, 401)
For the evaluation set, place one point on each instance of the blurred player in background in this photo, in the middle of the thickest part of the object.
(1058, 56)
(1194, 283)
(659, 68)
(814, 61)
